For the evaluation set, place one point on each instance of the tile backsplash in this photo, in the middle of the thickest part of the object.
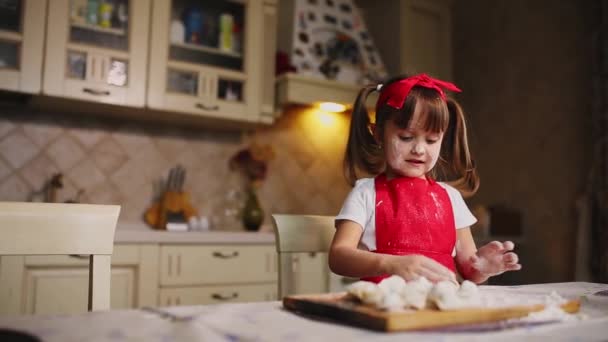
(122, 162)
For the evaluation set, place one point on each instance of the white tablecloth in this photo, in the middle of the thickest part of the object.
(268, 321)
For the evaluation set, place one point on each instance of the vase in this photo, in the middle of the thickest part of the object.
(253, 215)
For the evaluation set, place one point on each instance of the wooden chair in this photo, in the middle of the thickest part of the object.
(59, 228)
(298, 234)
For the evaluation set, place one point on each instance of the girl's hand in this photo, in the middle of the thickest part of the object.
(412, 267)
(495, 258)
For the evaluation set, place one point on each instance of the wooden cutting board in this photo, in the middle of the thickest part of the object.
(344, 309)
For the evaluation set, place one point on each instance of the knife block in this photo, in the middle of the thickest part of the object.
(174, 206)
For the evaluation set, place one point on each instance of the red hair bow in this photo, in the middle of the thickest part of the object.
(395, 93)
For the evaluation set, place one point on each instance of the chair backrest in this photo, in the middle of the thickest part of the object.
(63, 229)
(298, 234)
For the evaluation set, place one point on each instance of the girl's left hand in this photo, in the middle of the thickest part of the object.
(495, 258)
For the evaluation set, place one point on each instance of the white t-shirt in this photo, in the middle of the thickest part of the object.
(360, 205)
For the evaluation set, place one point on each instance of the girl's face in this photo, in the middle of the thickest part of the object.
(410, 152)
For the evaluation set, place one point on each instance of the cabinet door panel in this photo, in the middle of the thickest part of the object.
(64, 290)
(193, 265)
(311, 272)
(113, 43)
(217, 294)
(224, 43)
(427, 27)
(21, 45)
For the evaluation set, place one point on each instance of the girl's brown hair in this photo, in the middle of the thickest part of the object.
(365, 154)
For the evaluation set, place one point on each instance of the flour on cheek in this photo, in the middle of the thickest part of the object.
(396, 154)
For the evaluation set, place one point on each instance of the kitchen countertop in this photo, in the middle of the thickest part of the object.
(140, 233)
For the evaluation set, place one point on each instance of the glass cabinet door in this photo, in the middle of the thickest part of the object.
(101, 23)
(11, 15)
(21, 36)
(101, 46)
(98, 24)
(207, 34)
(208, 57)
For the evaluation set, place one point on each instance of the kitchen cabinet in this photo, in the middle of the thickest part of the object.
(150, 274)
(97, 50)
(199, 274)
(21, 44)
(42, 287)
(213, 59)
(215, 294)
(59, 284)
(422, 42)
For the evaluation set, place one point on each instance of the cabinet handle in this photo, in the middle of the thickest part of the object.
(170, 264)
(179, 265)
(220, 297)
(225, 256)
(204, 107)
(96, 91)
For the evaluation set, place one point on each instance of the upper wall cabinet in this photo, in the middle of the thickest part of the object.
(21, 44)
(422, 35)
(96, 50)
(213, 59)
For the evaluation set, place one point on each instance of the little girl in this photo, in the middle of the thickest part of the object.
(403, 221)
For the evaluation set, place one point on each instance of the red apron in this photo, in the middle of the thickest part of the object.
(414, 216)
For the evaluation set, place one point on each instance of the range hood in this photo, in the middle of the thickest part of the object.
(328, 43)
(295, 89)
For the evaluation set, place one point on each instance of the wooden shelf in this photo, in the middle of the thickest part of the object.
(97, 28)
(208, 49)
(79, 47)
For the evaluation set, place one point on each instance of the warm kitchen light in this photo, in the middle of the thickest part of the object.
(326, 119)
(332, 107)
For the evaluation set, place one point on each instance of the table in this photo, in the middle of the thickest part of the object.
(268, 321)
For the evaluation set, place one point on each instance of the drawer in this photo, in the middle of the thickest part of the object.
(122, 255)
(217, 264)
(215, 294)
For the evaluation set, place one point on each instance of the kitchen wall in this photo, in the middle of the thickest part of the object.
(525, 67)
(120, 161)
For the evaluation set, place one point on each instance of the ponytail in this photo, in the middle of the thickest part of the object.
(455, 152)
(362, 153)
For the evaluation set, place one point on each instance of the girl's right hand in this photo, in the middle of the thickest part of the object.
(414, 266)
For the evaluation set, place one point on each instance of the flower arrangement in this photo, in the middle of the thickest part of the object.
(252, 162)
